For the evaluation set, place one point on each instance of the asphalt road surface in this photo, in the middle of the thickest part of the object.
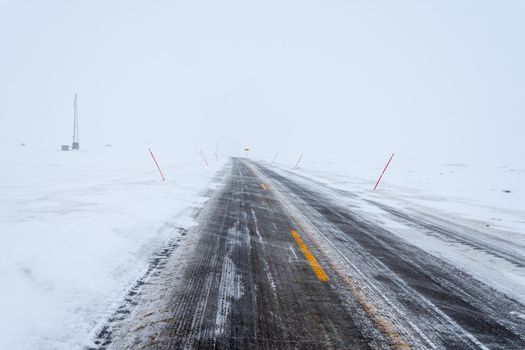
(276, 264)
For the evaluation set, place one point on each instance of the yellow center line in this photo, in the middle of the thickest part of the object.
(264, 187)
(318, 270)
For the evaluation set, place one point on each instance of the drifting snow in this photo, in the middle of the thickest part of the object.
(457, 212)
(77, 229)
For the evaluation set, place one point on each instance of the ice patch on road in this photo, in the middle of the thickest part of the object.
(230, 286)
(266, 266)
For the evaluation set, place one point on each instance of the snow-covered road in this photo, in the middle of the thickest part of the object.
(280, 260)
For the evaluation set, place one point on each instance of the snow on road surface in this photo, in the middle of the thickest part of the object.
(77, 229)
(351, 280)
(470, 215)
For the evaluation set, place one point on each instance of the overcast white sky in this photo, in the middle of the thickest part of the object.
(328, 78)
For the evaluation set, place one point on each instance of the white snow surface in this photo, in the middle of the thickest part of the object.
(474, 191)
(77, 229)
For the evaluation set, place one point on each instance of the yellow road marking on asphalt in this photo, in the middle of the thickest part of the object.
(385, 325)
(264, 187)
(318, 270)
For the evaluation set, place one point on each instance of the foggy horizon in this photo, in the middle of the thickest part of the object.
(332, 80)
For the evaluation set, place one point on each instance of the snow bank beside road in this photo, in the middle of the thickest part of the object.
(76, 230)
(474, 191)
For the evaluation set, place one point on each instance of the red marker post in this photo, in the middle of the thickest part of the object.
(386, 166)
(203, 157)
(158, 167)
(297, 164)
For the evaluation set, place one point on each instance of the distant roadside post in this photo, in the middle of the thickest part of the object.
(203, 157)
(381, 176)
(298, 160)
(158, 167)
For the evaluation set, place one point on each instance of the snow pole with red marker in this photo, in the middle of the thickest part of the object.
(381, 176)
(158, 167)
(298, 160)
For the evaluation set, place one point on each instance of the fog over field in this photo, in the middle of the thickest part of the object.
(332, 79)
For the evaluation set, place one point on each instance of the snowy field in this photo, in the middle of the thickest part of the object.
(479, 210)
(76, 231)
(468, 189)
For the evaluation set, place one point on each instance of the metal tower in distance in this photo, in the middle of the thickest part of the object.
(76, 144)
